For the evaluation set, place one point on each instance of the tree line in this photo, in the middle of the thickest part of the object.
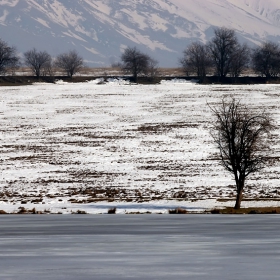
(40, 62)
(226, 56)
(222, 56)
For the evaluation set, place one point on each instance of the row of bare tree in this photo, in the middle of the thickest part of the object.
(222, 56)
(40, 62)
(227, 56)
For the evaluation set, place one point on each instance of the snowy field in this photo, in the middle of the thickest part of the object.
(91, 146)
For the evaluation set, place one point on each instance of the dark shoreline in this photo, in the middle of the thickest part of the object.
(28, 80)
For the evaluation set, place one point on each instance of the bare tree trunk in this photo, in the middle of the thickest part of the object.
(240, 181)
(135, 77)
(239, 196)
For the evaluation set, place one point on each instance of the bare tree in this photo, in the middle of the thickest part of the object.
(37, 60)
(242, 137)
(50, 69)
(196, 59)
(152, 71)
(70, 62)
(266, 59)
(135, 62)
(222, 47)
(241, 57)
(8, 57)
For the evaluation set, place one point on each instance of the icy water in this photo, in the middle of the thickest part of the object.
(72, 247)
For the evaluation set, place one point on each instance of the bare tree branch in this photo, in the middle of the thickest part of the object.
(266, 59)
(70, 62)
(37, 60)
(222, 49)
(196, 59)
(135, 62)
(8, 57)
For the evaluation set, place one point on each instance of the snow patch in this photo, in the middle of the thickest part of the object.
(180, 81)
(10, 3)
(43, 22)
(73, 35)
(92, 50)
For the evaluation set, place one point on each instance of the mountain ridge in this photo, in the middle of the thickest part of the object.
(101, 29)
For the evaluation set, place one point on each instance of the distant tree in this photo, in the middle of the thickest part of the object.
(242, 137)
(196, 59)
(135, 62)
(49, 69)
(116, 65)
(241, 57)
(152, 68)
(37, 61)
(222, 49)
(70, 62)
(266, 59)
(8, 57)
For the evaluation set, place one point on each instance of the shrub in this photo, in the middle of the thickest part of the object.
(112, 210)
(178, 211)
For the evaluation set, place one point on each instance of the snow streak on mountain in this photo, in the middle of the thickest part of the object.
(100, 29)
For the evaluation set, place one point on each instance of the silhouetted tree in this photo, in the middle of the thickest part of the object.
(135, 62)
(221, 48)
(266, 59)
(196, 59)
(37, 60)
(8, 57)
(241, 57)
(242, 137)
(70, 62)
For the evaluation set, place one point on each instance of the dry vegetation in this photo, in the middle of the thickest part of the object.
(25, 77)
(250, 210)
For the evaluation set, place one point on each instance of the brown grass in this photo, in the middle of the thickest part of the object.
(87, 73)
(250, 210)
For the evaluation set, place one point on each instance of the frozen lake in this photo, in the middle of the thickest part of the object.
(139, 247)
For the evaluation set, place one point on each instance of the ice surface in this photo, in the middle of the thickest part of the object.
(157, 247)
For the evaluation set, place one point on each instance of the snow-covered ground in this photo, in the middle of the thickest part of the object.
(94, 146)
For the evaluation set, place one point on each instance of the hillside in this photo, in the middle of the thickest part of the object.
(101, 29)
